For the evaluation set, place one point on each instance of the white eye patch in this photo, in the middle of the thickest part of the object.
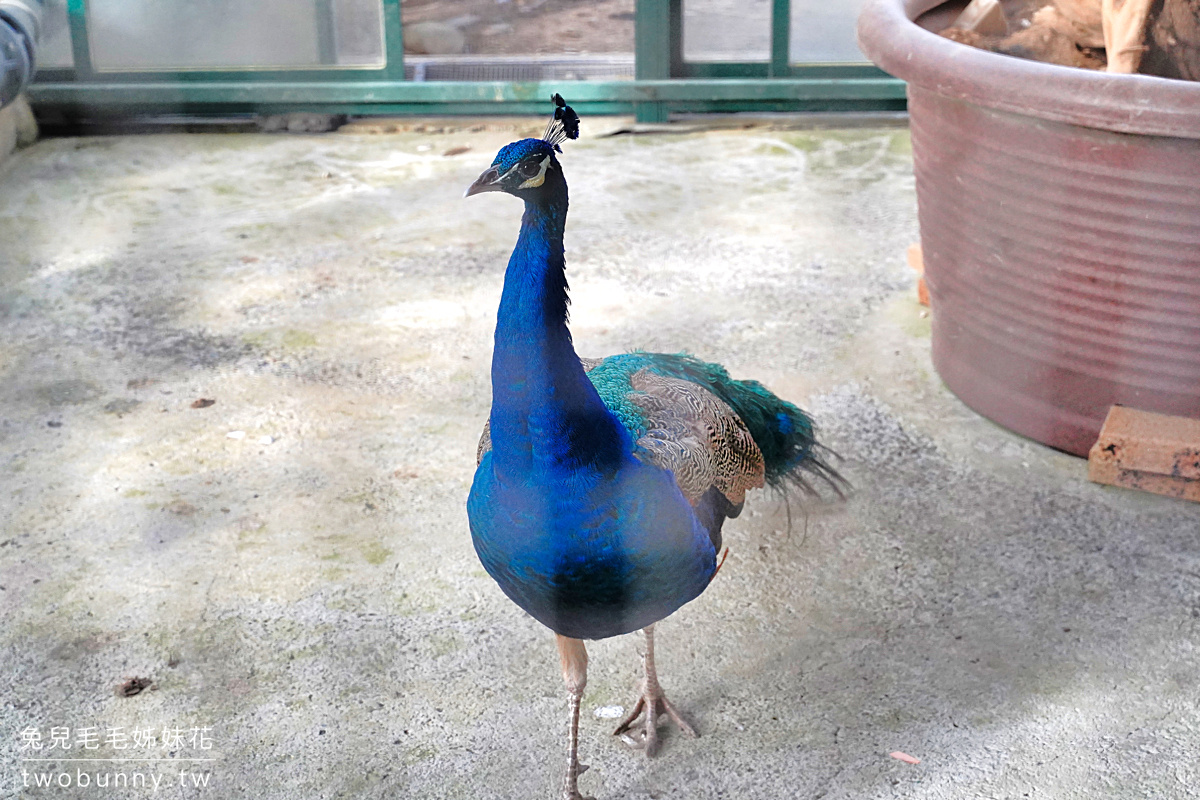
(540, 178)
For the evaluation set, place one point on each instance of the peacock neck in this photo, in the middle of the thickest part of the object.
(546, 416)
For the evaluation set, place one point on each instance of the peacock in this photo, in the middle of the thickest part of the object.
(601, 485)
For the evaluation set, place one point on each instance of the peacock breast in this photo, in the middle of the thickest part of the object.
(590, 555)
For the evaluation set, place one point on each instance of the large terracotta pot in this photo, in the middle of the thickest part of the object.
(1060, 226)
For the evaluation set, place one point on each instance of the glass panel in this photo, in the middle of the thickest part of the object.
(726, 30)
(54, 46)
(230, 34)
(823, 31)
(518, 40)
(358, 33)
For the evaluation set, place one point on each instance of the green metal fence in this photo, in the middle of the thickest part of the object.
(664, 82)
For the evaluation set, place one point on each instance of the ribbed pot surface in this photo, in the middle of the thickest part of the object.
(1060, 227)
(1063, 265)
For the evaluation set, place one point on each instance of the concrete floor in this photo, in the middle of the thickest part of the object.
(308, 590)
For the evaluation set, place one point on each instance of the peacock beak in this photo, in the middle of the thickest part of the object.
(489, 181)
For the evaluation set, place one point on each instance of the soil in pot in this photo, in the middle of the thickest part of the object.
(1152, 37)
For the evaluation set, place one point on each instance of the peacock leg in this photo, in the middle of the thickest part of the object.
(654, 703)
(573, 656)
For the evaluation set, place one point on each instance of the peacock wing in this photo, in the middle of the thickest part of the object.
(485, 442)
(694, 434)
(680, 426)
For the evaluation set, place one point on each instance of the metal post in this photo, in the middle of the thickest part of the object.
(652, 52)
(81, 50)
(676, 38)
(781, 38)
(393, 41)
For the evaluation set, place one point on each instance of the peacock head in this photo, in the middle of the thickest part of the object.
(528, 168)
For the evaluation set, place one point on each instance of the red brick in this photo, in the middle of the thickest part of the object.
(917, 262)
(914, 258)
(1152, 452)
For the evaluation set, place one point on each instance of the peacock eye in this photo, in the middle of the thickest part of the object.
(527, 169)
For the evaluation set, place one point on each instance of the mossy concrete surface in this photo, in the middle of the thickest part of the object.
(289, 564)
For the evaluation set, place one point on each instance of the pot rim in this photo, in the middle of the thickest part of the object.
(1138, 104)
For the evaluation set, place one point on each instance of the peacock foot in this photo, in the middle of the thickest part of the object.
(654, 705)
(571, 789)
(573, 794)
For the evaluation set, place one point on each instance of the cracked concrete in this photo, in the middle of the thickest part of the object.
(307, 590)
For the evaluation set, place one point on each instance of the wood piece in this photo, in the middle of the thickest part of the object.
(983, 16)
(917, 262)
(1125, 23)
(1152, 452)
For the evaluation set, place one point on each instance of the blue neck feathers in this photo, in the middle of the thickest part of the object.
(547, 419)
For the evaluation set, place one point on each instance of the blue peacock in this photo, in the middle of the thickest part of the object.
(602, 485)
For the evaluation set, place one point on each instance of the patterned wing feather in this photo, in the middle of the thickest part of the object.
(485, 442)
(695, 435)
